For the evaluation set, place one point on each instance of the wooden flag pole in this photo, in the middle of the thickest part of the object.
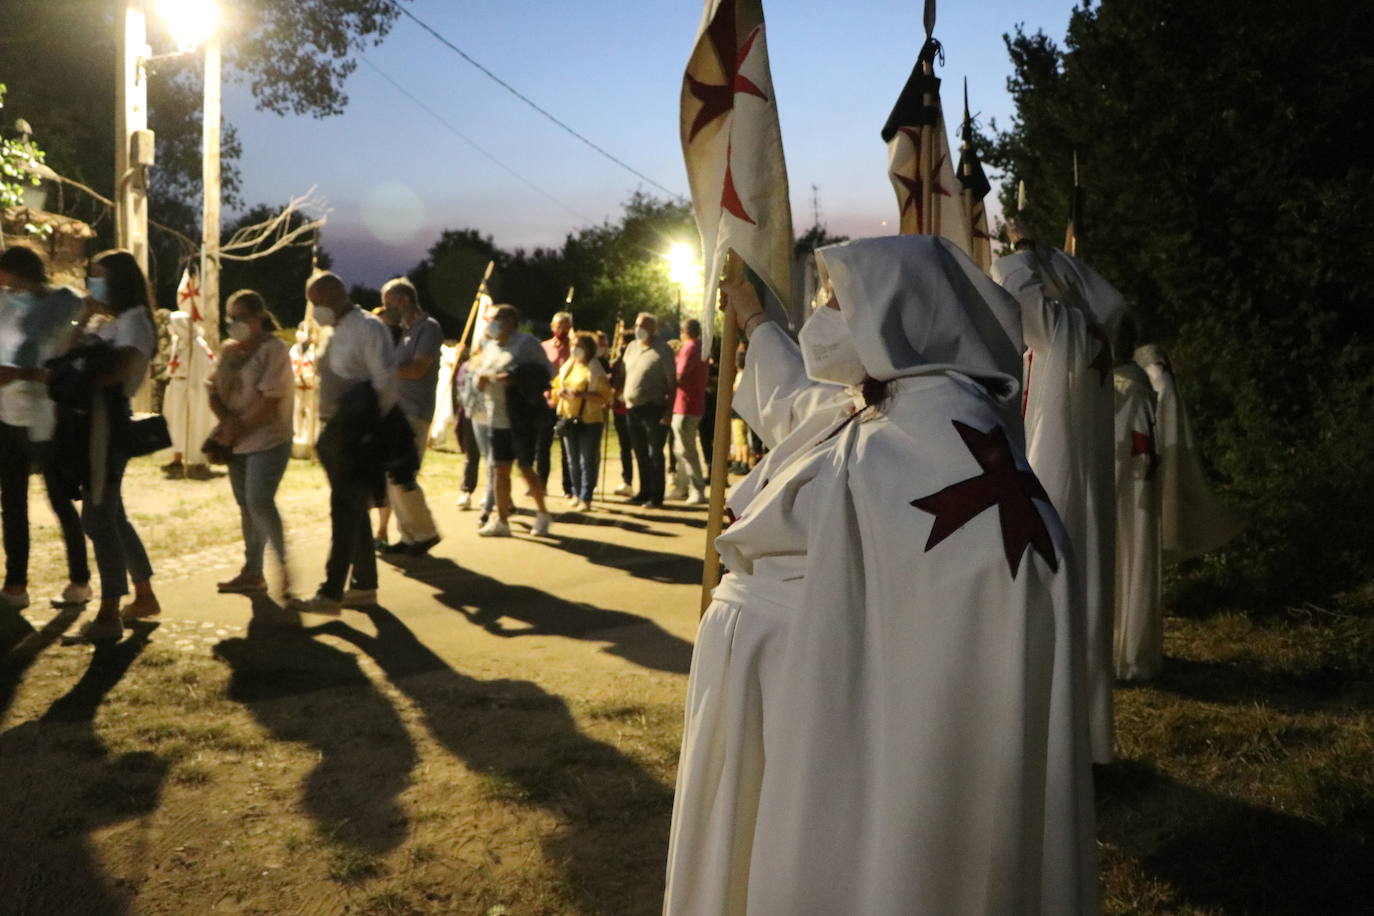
(476, 304)
(610, 405)
(720, 454)
(930, 219)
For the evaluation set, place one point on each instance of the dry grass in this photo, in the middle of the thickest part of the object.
(330, 771)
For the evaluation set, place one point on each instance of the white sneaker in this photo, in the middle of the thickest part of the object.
(542, 521)
(697, 498)
(73, 596)
(464, 501)
(677, 495)
(495, 528)
(623, 490)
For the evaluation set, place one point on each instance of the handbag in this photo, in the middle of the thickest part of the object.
(147, 435)
(565, 426)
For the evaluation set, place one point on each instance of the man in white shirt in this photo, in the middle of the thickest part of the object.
(360, 350)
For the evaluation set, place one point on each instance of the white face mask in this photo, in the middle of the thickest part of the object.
(324, 317)
(828, 350)
(643, 335)
(302, 336)
(99, 288)
(580, 353)
(240, 330)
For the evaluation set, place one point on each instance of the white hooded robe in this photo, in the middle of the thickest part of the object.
(880, 720)
(186, 402)
(1067, 314)
(1192, 520)
(1139, 640)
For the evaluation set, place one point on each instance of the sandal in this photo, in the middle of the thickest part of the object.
(139, 610)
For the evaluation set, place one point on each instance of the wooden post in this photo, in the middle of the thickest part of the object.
(930, 201)
(720, 454)
(476, 304)
(610, 407)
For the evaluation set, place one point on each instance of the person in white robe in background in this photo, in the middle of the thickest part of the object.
(1192, 520)
(887, 710)
(444, 414)
(306, 408)
(1068, 313)
(1139, 640)
(186, 403)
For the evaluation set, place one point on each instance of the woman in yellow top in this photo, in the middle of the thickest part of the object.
(584, 394)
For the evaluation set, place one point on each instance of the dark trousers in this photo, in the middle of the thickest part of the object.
(627, 453)
(472, 454)
(15, 462)
(543, 454)
(78, 565)
(350, 533)
(119, 552)
(647, 437)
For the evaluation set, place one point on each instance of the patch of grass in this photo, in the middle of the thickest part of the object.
(388, 903)
(157, 658)
(422, 853)
(500, 787)
(192, 774)
(349, 865)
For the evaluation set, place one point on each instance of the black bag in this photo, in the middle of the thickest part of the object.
(566, 426)
(147, 435)
(216, 452)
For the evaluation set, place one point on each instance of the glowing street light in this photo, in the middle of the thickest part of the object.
(191, 22)
(683, 268)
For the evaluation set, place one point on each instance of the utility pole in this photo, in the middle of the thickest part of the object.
(133, 142)
(210, 175)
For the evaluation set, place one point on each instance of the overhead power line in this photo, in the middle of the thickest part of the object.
(471, 142)
(530, 102)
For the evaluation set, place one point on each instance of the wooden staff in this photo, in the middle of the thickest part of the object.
(476, 304)
(610, 405)
(720, 455)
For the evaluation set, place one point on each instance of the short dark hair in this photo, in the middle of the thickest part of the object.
(507, 313)
(24, 263)
(127, 285)
(253, 301)
(587, 342)
(692, 328)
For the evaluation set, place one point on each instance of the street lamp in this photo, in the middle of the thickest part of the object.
(191, 22)
(683, 269)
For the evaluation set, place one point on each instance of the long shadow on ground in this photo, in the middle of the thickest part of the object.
(614, 812)
(60, 784)
(1239, 684)
(291, 682)
(1234, 857)
(20, 646)
(518, 610)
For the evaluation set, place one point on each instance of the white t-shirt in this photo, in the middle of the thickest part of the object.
(33, 328)
(132, 328)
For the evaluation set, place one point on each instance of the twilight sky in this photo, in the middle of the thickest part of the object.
(611, 69)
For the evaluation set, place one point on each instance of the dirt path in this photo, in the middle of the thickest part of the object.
(498, 736)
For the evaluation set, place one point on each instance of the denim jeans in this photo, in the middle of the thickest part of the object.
(482, 433)
(254, 478)
(627, 453)
(583, 447)
(472, 454)
(119, 553)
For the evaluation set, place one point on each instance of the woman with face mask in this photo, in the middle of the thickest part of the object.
(119, 301)
(584, 393)
(252, 395)
(886, 712)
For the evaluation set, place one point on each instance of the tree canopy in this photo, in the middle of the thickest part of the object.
(1222, 151)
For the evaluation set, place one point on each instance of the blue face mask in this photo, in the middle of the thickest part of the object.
(99, 289)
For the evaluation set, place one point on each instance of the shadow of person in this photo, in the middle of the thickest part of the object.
(1240, 684)
(509, 610)
(525, 741)
(22, 647)
(653, 565)
(62, 784)
(1231, 856)
(307, 692)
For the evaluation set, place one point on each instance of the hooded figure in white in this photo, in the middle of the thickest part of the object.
(886, 712)
(186, 403)
(1068, 315)
(444, 414)
(1192, 520)
(1138, 651)
(305, 417)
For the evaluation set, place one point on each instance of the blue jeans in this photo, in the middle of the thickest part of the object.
(482, 433)
(119, 553)
(254, 478)
(583, 448)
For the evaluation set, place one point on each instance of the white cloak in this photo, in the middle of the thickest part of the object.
(1068, 407)
(305, 418)
(873, 727)
(444, 415)
(186, 402)
(1139, 639)
(1192, 520)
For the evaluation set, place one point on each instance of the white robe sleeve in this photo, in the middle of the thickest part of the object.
(774, 394)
